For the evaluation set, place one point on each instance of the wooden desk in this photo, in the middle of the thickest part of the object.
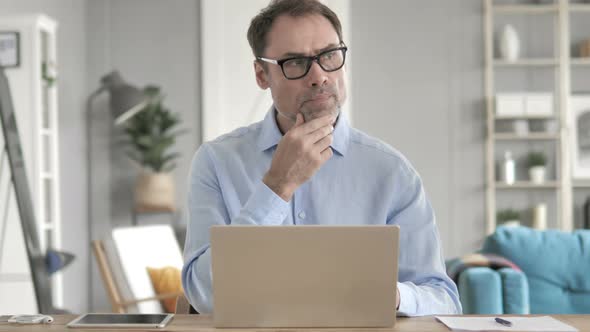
(203, 323)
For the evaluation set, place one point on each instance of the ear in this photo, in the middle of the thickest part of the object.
(261, 76)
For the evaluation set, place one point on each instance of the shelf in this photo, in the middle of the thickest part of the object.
(581, 184)
(529, 137)
(525, 117)
(531, 62)
(528, 185)
(532, 9)
(580, 61)
(579, 8)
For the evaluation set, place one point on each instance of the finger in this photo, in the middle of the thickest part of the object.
(315, 124)
(299, 120)
(326, 154)
(320, 134)
(324, 143)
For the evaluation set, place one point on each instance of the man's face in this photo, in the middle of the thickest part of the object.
(319, 92)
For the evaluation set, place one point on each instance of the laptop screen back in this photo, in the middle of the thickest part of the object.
(304, 276)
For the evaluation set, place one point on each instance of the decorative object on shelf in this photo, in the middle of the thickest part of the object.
(579, 124)
(547, 126)
(584, 49)
(48, 72)
(508, 168)
(540, 216)
(538, 104)
(509, 43)
(508, 217)
(9, 49)
(151, 135)
(537, 162)
(520, 127)
(509, 104)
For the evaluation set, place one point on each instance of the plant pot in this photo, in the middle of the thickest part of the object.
(155, 192)
(537, 174)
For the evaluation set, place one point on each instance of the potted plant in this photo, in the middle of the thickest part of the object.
(536, 162)
(508, 217)
(151, 135)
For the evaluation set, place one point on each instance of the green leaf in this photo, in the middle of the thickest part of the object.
(152, 133)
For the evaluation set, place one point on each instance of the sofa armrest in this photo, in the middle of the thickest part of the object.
(480, 291)
(515, 291)
(486, 291)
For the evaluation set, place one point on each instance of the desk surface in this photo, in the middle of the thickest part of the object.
(204, 323)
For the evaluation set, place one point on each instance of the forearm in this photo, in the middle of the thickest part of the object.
(263, 207)
(429, 298)
(196, 282)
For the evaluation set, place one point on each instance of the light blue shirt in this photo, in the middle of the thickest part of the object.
(365, 182)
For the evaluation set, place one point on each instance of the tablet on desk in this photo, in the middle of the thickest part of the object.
(121, 320)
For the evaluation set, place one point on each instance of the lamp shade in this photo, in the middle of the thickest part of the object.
(126, 100)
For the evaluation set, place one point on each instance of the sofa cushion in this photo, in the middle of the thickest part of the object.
(557, 266)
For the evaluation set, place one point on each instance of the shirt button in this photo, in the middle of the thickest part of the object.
(302, 215)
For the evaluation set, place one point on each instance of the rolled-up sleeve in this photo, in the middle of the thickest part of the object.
(206, 208)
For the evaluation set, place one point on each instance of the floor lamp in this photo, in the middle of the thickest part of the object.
(125, 101)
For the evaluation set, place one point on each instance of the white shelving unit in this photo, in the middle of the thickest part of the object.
(561, 63)
(35, 102)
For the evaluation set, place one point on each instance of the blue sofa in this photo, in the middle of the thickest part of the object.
(555, 275)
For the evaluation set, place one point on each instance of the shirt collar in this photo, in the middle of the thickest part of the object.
(270, 134)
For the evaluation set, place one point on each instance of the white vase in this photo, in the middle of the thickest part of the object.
(540, 216)
(509, 44)
(520, 127)
(537, 174)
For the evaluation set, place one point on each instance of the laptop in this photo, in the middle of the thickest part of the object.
(304, 276)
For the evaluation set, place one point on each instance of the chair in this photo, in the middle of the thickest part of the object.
(123, 260)
(554, 279)
(183, 306)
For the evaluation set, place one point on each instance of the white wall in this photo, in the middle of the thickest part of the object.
(418, 85)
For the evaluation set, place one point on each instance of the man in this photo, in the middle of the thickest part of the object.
(304, 164)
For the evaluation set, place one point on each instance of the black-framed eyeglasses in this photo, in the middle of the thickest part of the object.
(297, 67)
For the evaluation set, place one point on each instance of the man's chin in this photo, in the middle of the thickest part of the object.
(314, 114)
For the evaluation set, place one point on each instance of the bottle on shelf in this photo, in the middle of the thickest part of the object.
(508, 168)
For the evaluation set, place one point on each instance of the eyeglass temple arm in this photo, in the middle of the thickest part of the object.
(268, 60)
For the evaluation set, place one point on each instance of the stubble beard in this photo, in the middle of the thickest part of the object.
(310, 114)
